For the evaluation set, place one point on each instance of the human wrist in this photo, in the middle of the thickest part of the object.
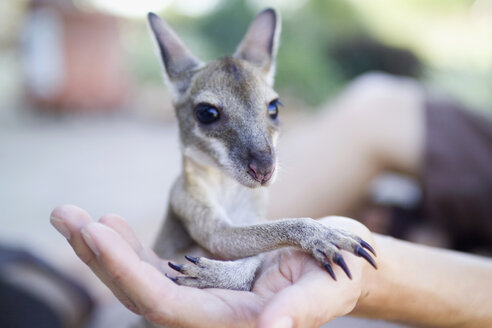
(373, 287)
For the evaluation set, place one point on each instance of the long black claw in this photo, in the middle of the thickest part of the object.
(328, 268)
(176, 267)
(366, 245)
(192, 259)
(359, 251)
(338, 259)
(175, 280)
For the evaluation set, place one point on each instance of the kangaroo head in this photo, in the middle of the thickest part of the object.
(227, 109)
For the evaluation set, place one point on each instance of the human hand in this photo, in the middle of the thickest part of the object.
(291, 288)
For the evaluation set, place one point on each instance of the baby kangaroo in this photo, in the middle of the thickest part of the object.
(228, 120)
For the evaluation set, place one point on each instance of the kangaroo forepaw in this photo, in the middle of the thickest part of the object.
(206, 273)
(325, 245)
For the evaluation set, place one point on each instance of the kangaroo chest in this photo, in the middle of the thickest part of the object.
(244, 206)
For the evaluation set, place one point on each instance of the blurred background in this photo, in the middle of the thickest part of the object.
(85, 118)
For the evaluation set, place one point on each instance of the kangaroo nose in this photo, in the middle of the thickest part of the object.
(261, 173)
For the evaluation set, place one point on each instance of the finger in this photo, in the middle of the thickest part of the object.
(69, 221)
(158, 298)
(125, 267)
(311, 302)
(119, 224)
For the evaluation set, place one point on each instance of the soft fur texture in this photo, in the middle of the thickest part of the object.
(218, 205)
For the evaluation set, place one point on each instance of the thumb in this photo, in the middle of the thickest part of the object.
(286, 309)
(312, 301)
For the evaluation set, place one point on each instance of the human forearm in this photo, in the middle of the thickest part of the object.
(427, 286)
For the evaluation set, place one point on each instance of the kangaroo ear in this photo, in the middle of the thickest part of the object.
(259, 45)
(179, 63)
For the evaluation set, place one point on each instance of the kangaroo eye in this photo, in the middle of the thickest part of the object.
(273, 109)
(206, 113)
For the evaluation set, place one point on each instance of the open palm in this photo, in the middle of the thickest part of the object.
(291, 289)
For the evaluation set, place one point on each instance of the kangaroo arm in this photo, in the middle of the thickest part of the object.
(208, 224)
(214, 231)
(231, 242)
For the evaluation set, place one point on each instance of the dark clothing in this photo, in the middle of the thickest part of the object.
(20, 307)
(457, 173)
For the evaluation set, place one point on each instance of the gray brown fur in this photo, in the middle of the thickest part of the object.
(217, 205)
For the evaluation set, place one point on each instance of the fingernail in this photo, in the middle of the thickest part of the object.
(60, 226)
(89, 241)
(283, 322)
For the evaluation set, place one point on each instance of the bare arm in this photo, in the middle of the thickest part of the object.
(414, 284)
(376, 124)
(427, 286)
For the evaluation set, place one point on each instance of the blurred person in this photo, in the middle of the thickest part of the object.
(385, 123)
(35, 294)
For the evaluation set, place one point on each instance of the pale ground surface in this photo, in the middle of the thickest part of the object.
(103, 165)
